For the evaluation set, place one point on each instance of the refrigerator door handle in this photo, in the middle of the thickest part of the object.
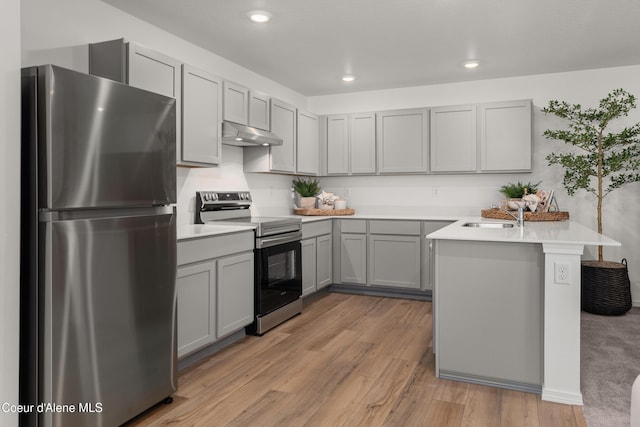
(53, 216)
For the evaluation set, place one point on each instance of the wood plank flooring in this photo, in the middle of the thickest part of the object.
(348, 360)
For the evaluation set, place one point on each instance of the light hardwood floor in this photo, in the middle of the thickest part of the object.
(348, 360)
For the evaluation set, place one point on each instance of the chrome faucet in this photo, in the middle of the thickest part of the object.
(518, 219)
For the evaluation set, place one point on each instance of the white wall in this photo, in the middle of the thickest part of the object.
(9, 204)
(468, 194)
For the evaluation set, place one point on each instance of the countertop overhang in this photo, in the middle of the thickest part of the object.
(545, 232)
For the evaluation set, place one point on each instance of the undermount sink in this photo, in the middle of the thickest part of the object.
(489, 224)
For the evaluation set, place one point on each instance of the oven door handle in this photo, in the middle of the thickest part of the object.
(267, 242)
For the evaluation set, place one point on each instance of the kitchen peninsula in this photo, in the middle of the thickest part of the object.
(507, 304)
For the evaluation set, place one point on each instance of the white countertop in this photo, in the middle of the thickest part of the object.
(192, 231)
(399, 217)
(558, 232)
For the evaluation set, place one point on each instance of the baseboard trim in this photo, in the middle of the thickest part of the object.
(377, 291)
(215, 347)
(559, 396)
(491, 382)
(635, 303)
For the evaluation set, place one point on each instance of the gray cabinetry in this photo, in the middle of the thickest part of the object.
(426, 268)
(283, 124)
(337, 135)
(236, 103)
(259, 110)
(394, 254)
(308, 144)
(353, 251)
(505, 136)
(201, 117)
(402, 141)
(317, 254)
(138, 66)
(196, 289)
(214, 288)
(235, 293)
(498, 287)
(453, 142)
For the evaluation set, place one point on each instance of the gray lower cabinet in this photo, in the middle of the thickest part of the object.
(353, 258)
(214, 289)
(427, 269)
(317, 256)
(235, 293)
(309, 254)
(196, 289)
(394, 261)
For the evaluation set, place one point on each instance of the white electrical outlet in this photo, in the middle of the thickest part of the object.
(562, 273)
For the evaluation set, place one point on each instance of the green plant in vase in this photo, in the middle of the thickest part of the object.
(306, 189)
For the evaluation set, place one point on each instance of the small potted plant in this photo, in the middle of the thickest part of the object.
(306, 189)
(515, 192)
(602, 162)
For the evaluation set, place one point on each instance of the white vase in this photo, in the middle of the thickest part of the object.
(307, 202)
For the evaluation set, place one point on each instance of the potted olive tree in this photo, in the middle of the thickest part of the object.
(306, 189)
(602, 162)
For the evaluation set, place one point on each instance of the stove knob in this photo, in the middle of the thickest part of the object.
(214, 196)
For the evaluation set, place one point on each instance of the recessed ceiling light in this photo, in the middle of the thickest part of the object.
(348, 78)
(471, 64)
(259, 16)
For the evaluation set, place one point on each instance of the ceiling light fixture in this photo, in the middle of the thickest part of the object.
(348, 78)
(471, 64)
(259, 16)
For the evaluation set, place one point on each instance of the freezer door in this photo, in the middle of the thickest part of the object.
(103, 143)
(108, 319)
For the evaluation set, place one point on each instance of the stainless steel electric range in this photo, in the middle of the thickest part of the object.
(277, 254)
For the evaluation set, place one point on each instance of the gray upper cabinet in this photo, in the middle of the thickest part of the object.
(259, 110)
(362, 143)
(453, 139)
(505, 136)
(337, 135)
(138, 66)
(402, 141)
(351, 144)
(308, 144)
(201, 117)
(236, 103)
(283, 124)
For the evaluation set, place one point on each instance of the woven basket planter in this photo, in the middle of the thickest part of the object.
(605, 287)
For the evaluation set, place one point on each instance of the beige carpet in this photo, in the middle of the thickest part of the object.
(610, 362)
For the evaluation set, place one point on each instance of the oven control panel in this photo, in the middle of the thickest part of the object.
(223, 196)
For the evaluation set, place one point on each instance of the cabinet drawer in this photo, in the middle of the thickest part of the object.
(314, 229)
(409, 228)
(353, 226)
(198, 249)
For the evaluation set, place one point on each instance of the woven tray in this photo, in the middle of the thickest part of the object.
(323, 212)
(528, 216)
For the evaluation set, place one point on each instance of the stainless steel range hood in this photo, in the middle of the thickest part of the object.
(246, 136)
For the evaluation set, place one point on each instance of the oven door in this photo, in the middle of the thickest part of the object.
(278, 271)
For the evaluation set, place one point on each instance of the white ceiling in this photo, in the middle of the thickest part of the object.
(310, 44)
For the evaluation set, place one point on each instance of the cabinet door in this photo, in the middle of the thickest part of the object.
(362, 143)
(337, 144)
(402, 141)
(259, 110)
(505, 136)
(201, 116)
(283, 124)
(453, 139)
(308, 266)
(308, 143)
(394, 261)
(236, 103)
(353, 258)
(152, 71)
(196, 289)
(235, 293)
(324, 266)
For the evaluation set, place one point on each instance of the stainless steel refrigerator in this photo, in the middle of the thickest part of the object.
(98, 254)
